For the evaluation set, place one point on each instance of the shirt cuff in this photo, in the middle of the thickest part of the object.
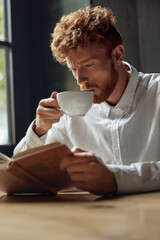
(32, 139)
(126, 178)
(137, 177)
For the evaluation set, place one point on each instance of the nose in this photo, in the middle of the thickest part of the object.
(81, 76)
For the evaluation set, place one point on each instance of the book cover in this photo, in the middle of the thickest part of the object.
(35, 171)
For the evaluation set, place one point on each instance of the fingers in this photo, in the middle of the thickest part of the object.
(90, 176)
(88, 173)
(49, 103)
(83, 175)
(53, 95)
(88, 167)
(77, 150)
(77, 158)
(47, 113)
(93, 177)
(48, 108)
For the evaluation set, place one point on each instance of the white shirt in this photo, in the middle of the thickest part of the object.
(126, 137)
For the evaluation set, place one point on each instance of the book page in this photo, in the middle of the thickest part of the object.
(43, 164)
(4, 161)
(31, 151)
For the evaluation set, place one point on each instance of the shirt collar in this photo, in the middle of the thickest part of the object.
(124, 105)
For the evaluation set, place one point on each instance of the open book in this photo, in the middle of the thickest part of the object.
(35, 170)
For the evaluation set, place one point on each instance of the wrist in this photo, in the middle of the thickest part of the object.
(38, 131)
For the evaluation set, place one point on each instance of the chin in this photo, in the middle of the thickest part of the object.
(98, 100)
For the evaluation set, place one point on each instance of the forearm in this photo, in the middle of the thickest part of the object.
(138, 177)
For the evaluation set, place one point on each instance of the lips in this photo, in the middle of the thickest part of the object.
(87, 88)
(91, 90)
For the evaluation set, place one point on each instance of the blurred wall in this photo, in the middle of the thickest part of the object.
(138, 21)
(36, 74)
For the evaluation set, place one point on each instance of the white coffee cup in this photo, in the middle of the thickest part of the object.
(75, 103)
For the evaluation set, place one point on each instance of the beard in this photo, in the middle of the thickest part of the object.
(99, 96)
(102, 93)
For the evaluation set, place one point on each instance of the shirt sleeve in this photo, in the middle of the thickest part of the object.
(56, 134)
(137, 177)
(30, 140)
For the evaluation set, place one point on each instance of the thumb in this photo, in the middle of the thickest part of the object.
(53, 95)
(77, 150)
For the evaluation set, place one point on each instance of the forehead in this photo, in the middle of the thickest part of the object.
(87, 53)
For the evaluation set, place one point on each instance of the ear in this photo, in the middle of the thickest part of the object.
(117, 54)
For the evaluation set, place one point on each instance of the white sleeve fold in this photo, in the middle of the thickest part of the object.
(137, 177)
(30, 140)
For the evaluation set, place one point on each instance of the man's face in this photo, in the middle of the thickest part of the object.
(94, 70)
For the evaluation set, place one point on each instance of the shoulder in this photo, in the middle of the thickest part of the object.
(149, 79)
(144, 78)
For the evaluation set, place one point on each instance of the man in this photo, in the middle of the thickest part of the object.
(118, 140)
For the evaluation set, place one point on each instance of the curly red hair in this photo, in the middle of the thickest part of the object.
(82, 27)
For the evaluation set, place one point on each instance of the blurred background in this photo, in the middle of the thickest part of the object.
(28, 72)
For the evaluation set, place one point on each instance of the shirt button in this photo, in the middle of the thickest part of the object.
(116, 149)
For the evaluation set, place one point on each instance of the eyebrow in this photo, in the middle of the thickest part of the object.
(82, 62)
(89, 59)
(93, 58)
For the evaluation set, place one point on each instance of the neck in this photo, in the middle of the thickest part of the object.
(123, 78)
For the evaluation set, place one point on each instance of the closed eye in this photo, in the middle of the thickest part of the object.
(89, 65)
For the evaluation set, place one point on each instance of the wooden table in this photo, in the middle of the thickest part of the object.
(80, 216)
